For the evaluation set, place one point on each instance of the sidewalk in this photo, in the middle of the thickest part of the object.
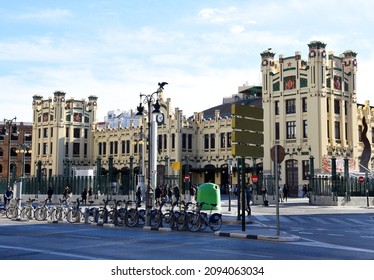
(256, 230)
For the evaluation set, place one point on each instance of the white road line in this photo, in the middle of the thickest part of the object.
(236, 253)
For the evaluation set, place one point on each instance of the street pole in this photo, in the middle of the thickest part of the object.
(276, 167)
(243, 193)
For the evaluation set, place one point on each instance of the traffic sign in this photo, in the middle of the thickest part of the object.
(280, 153)
(187, 178)
(361, 179)
(254, 178)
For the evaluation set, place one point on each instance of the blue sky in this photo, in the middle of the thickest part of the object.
(203, 49)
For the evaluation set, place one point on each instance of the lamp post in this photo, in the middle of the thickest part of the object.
(150, 101)
(23, 149)
(9, 128)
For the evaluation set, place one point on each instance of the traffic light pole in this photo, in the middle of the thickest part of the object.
(243, 193)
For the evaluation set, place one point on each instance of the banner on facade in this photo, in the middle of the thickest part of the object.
(326, 164)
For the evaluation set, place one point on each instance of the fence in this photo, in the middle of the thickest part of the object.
(326, 185)
(99, 184)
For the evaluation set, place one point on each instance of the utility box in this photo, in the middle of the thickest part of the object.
(210, 194)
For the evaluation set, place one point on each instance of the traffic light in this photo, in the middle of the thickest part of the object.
(3, 131)
(14, 129)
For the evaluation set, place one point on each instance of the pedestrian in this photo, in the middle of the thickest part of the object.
(176, 193)
(280, 194)
(138, 195)
(305, 191)
(170, 194)
(248, 198)
(67, 194)
(285, 192)
(264, 192)
(193, 192)
(84, 196)
(50, 193)
(90, 194)
(8, 196)
(158, 193)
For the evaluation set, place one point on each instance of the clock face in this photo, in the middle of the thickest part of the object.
(160, 118)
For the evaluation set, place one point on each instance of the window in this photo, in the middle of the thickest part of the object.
(85, 133)
(184, 141)
(45, 132)
(67, 149)
(328, 104)
(276, 107)
(189, 142)
(159, 142)
(290, 106)
(123, 147)
(100, 147)
(291, 130)
(305, 129)
(51, 148)
(77, 133)
(165, 141)
(67, 132)
(45, 147)
(337, 130)
(305, 166)
(212, 141)
(229, 140)
(104, 148)
(223, 140)
(277, 131)
(75, 149)
(337, 106)
(85, 149)
(173, 141)
(206, 141)
(111, 148)
(304, 104)
(116, 147)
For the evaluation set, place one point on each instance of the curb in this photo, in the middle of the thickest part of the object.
(156, 229)
(259, 237)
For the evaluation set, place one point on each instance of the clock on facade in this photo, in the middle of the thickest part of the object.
(160, 118)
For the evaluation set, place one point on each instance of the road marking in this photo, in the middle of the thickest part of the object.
(69, 255)
(236, 253)
(313, 243)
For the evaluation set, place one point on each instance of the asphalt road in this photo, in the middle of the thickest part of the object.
(322, 237)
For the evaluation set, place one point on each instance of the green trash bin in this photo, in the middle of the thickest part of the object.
(209, 193)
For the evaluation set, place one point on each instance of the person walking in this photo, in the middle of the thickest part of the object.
(158, 193)
(84, 196)
(285, 192)
(248, 198)
(90, 194)
(138, 195)
(50, 193)
(176, 193)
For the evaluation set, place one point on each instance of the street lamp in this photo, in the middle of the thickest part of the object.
(150, 101)
(23, 149)
(9, 128)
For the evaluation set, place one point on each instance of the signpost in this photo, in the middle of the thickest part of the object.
(247, 140)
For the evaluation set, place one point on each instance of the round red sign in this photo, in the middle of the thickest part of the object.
(361, 179)
(254, 178)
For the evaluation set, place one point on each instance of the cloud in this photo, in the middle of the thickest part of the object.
(218, 15)
(44, 15)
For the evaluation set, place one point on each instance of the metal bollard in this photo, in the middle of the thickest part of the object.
(86, 216)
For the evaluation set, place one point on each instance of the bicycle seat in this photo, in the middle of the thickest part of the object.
(213, 204)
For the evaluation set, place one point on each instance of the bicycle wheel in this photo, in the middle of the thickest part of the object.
(215, 221)
(26, 213)
(204, 222)
(168, 219)
(12, 212)
(73, 215)
(119, 219)
(101, 216)
(131, 218)
(156, 218)
(91, 216)
(181, 222)
(194, 222)
(41, 214)
(141, 220)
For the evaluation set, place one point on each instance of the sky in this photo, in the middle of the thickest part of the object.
(204, 49)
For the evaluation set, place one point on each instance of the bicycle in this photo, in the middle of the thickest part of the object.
(59, 212)
(134, 216)
(171, 216)
(27, 211)
(13, 210)
(102, 214)
(74, 214)
(213, 221)
(43, 211)
(182, 222)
